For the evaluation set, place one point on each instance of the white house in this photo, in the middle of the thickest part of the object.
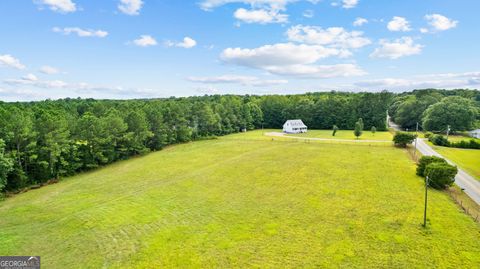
(294, 127)
(475, 133)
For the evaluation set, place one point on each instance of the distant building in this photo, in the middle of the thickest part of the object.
(475, 133)
(294, 127)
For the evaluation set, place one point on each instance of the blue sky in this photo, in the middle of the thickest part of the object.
(159, 48)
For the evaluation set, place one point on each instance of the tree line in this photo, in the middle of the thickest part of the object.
(435, 110)
(47, 140)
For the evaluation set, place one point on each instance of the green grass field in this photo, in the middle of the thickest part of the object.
(468, 159)
(346, 134)
(243, 201)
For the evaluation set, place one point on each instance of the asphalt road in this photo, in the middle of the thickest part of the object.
(465, 181)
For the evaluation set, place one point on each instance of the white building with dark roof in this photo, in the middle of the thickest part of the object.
(294, 127)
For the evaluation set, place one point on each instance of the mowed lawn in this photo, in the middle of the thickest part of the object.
(243, 201)
(468, 159)
(346, 134)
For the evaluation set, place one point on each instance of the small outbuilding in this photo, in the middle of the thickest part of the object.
(294, 127)
(475, 133)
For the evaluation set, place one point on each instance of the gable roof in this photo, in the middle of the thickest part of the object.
(296, 123)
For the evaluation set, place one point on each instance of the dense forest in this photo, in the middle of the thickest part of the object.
(40, 141)
(47, 140)
(434, 110)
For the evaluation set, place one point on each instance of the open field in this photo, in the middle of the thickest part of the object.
(243, 201)
(346, 134)
(468, 159)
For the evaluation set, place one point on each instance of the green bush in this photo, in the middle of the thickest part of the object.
(335, 129)
(471, 144)
(425, 161)
(428, 135)
(402, 139)
(441, 175)
(439, 140)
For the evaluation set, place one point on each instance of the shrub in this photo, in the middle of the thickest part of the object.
(464, 144)
(358, 128)
(425, 161)
(374, 130)
(402, 139)
(439, 140)
(335, 129)
(428, 135)
(441, 175)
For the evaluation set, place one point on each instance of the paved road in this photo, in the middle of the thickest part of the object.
(326, 139)
(465, 181)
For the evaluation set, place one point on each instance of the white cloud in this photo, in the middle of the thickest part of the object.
(360, 21)
(30, 77)
(396, 49)
(145, 41)
(317, 71)
(277, 54)
(271, 4)
(62, 6)
(439, 22)
(49, 70)
(349, 3)
(336, 37)
(130, 7)
(80, 32)
(441, 81)
(47, 84)
(308, 13)
(261, 11)
(187, 43)
(399, 24)
(261, 16)
(11, 61)
(235, 79)
(290, 59)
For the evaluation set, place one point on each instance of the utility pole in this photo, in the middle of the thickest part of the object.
(448, 130)
(416, 134)
(425, 210)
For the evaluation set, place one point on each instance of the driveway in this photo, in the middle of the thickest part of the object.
(465, 181)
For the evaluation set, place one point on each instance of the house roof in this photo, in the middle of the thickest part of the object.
(296, 123)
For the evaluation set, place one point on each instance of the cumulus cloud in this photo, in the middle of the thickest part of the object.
(49, 70)
(349, 3)
(10, 61)
(271, 4)
(130, 7)
(30, 77)
(261, 11)
(360, 21)
(61, 6)
(261, 16)
(438, 23)
(145, 41)
(235, 79)
(80, 32)
(187, 43)
(398, 48)
(290, 59)
(336, 37)
(399, 24)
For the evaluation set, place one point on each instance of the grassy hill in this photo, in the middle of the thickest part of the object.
(243, 201)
